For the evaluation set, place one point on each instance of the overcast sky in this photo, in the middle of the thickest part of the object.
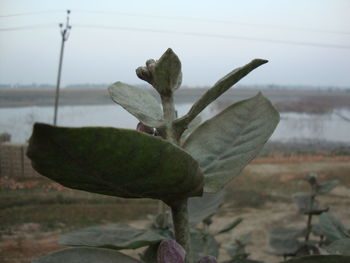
(306, 42)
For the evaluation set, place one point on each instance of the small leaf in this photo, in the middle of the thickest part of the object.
(169, 251)
(307, 205)
(225, 144)
(86, 255)
(340, 246)
(326, 187)
(230, 226)
(114, 237)
(332, 228)
(138, 102)
(167, 76)
(285, 240)
(114, 162)
(320, 259)
(217, 90)
(203, 245)
(202, 207)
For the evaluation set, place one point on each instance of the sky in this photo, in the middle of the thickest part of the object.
(306, 42)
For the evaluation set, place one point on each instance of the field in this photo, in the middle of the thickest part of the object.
(35, 212)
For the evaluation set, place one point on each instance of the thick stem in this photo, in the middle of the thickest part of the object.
(169, 116)
(181, 226)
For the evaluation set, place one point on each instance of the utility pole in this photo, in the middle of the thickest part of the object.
(65, 34)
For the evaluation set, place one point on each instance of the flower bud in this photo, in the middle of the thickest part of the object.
(169, 251)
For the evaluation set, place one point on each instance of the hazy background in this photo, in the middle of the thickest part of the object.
(306, 42)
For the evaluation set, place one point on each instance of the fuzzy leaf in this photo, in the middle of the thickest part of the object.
(114, 162)
(202, 207)
(285, 240)
(201, 242)
(86, 255)
(306, 205)
(320, 259)
(225, 144)
(167, 76)
(332, 228)
(114, 237)
(326, 187)
(230, 226)
(139, 102)
(340, 246)
(217, 90)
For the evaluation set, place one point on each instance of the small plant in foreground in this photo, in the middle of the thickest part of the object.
(294, 242)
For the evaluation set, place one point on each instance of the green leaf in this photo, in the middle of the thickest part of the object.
(225, 144)
(86, 255)
(203, 245)
(326, 187)
(202, 207)
(320, 259)
(230, 226)
(114, 162)
(217, 90)
(332, 228)
(285, 240)
(139, 102)
(307, 205)
(191, 127)
(340, 246)
(115, 237)
(167, 76)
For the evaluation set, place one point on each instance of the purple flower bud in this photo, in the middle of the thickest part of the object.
(169, 251)
(144, 128)
(208, 259)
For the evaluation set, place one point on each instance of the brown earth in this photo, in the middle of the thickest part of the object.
(262, 195)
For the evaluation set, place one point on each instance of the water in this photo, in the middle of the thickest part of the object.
(292, 127)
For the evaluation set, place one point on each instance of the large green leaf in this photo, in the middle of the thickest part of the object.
(115, 162)
(225, 144)
(138, 102)
(217, 90)
(167, 76)
(320, 259)
(202, 207)
(340, 246)
(116, 237)
(332, 228)
(86, 255)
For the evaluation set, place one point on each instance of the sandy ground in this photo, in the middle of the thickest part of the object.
(29, 241)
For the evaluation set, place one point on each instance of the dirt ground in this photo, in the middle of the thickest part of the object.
(262, 195)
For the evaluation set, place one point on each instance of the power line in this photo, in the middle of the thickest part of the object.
(32, 13)
(279, 27)
(27, 27)
(196, 34)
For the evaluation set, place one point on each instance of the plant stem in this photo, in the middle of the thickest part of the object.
(181, 226)
(178, 207)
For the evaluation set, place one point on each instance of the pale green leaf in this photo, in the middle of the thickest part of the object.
(202, 207)
(167, 76)
(340, 246)
(139, 102)
(115, 162)
(86, 255)
(225, 144)
(203, 245)
(115, 237)
(217, 90)
(332, 228)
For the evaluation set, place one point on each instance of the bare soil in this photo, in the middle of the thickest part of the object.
(262, 195)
